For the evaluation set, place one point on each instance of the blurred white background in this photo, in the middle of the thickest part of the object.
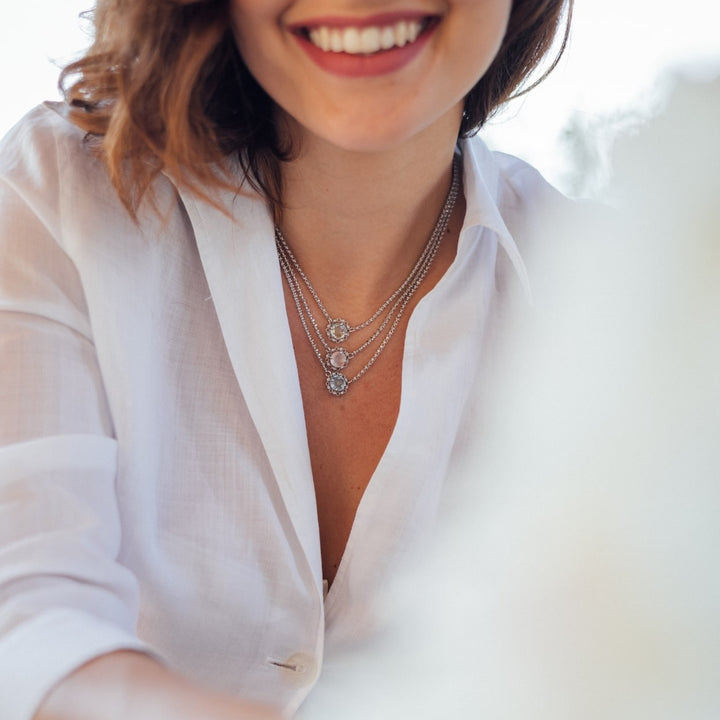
(608, 79)
(614, 75)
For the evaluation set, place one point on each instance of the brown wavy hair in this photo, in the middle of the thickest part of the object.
(164, 88)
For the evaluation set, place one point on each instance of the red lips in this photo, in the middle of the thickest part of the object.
(372, 64)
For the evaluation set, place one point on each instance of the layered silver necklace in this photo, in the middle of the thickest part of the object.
(328, 342)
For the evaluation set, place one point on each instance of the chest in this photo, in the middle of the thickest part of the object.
(348, 434)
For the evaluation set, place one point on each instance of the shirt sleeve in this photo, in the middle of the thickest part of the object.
(64, 597)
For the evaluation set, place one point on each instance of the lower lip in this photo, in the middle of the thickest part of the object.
(357, 66)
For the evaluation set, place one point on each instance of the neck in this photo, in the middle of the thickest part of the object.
(358, 221)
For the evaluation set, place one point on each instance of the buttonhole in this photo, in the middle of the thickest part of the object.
(286, 666)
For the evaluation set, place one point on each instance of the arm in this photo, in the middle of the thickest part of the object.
(68, 606)
(124, 685)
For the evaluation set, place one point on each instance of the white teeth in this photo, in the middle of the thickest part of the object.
(336, 40)
(324, 34)
(351, 40)
(362, 41)
(401, 32)
(387, 38)
(370, 39)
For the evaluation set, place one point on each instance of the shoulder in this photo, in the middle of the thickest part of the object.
(38, 141)
(47, 162)
(53, 177)
(529, 205)
(532, 219)
(518, 188)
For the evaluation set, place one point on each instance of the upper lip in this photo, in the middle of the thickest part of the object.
(378, 20)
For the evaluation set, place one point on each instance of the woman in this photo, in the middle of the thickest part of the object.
(247, 230)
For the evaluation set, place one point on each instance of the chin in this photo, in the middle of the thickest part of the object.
(385, 134)
(370, 142)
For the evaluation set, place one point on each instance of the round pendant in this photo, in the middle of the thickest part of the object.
(338, 359)
(337, 383)
(338, 330)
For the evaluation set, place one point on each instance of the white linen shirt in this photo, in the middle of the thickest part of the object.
(155, 482)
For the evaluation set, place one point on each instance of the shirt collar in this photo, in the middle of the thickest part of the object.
(483, 186)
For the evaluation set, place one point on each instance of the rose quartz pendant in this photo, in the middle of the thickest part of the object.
(338, 359)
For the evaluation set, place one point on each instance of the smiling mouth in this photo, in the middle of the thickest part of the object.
(369, 39)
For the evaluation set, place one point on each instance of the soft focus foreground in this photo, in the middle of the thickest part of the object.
(578, 569)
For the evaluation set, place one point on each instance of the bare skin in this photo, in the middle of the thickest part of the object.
(357, 222)
(123, 685)
(348, 435)
(376, 145)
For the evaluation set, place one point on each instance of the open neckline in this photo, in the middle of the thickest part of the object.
(372, 497)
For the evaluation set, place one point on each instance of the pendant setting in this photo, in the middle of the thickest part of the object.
(337, 383)
(381, 325)
(338, 359)
(338, 330)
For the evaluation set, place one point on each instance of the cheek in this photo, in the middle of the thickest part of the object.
(484, 28)
(254, 48)
(488, 19)
(254, 25)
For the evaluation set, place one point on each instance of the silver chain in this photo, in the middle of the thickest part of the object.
(285, 248)
(288, 269)
(338, 330)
